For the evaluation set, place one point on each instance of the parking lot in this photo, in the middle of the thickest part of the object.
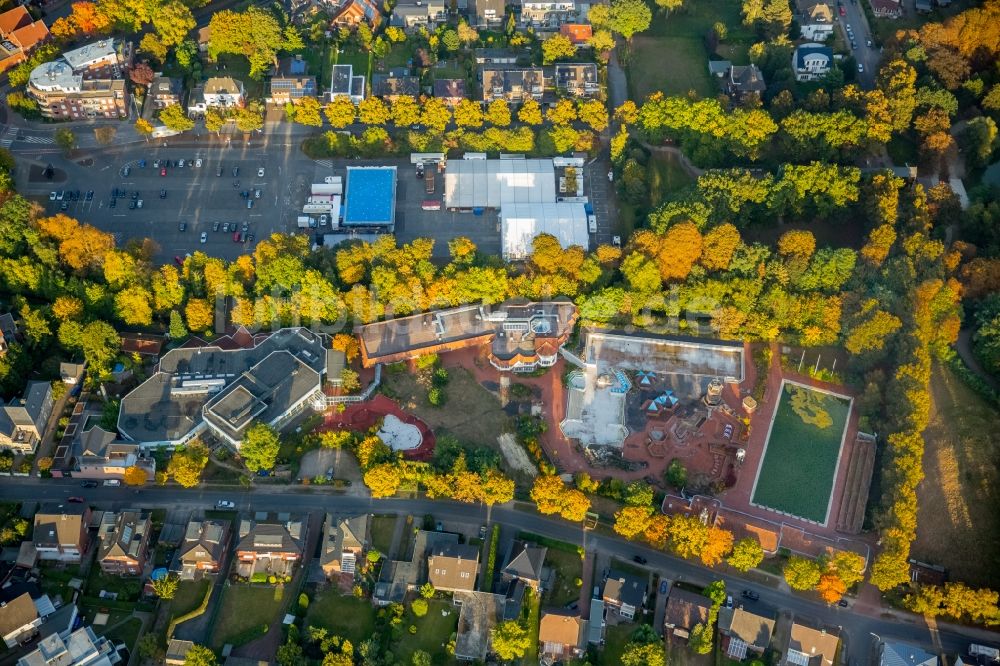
(200, 198)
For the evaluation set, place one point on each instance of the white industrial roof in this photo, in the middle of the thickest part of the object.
(521, 222)
(494, 183)
(55, 76)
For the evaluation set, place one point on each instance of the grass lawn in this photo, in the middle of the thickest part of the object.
(615, 639)
(382, 529)
(245, 608)
(959, 498)
(127, 588)
(471, 414)
(345, 616)
(189, 596)
(568, 567)
(434, 630)
(665, 175)
(237, 67)
(127, 632)
(800, 458)
(678, 41)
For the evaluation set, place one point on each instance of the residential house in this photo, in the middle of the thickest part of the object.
(343, 81)
(743, 80)
(495, 56)
(8, 327)
(83, 83)
(100, 455)
(453, 567)
(512, 84)
(285, 89)
(60, 532)
(684, 610)
(524, 563)
(810, 647)
(204, 37)
(560, 637)
(177, 651)
(203, 548)
(23, 421)
(19, 618)
(411, 14)
(744, 632)
(218, 92)
(71, 373)
(270, 544)
(452, 91)
(397, 577)
(815, 19)
(481, 612)
(890, 9)
(578, 79)
(165, 91)
(349, 13)
(124, 540)
(80, 648)
(625, 593)
(344, 541)
(812, 61)
(395, 84)
(578, 33)
(547, 13)
(892, 653)
(19, 35)
(486, 13)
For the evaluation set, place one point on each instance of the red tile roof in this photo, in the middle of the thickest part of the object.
(12, 19)
(578, 33)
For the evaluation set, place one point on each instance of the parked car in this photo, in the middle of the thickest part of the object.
(861, 68)
(138, 204)
(76, 500)
(236, 237)
(60, 194)
(639, 559)
(182, 226)
(90, 195)
(225, 226)
(218, 172)
(52, 196)
(663, 586)
(163, 172)
(246, 226)
(842, 603)
(751, 595)
(225, 504)
(843, 12)
(156, 164)
(198, 162)
(135, 195)
(64, 206)
(420, 170)
(249, 204)
(260, 172)
(729, 601)
(256, 194)
(131, 205)
(204, 237)
(250, 238)
(482, 531)
(215, 226)
(89, 484)
(126, 171)
(112, 203)
(236, 171)
(180, 164)
(163, 194)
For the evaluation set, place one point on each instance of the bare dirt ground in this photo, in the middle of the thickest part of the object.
(959, 497)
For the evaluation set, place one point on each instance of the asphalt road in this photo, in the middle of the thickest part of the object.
(868, 57)
(856, 628)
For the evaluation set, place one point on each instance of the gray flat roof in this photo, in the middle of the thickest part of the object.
(168, 405)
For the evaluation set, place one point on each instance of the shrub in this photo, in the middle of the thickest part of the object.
(419, 607)
(435, 396)
(258, 578)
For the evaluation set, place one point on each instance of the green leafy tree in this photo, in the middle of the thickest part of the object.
(173, 21)
(556, 48)
(419, 607)
(802, 573)
(340, 112)
(174, 118)
(187, 463)
(644, 654)
(510, 640)
(747, 554)
(625, 17)
(530, 113)
(405, 111)
(166, 587)
(65, 139)
(373, 111)
(260, 446)
(200, 655)
(450, 40)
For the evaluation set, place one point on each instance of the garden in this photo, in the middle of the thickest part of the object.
(246, 613)
(346, 616)
(802, 451)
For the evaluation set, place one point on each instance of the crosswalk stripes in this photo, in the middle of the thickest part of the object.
(325, 163)
(9, 135)
(38, 139)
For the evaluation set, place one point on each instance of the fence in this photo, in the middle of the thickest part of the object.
(331, 400)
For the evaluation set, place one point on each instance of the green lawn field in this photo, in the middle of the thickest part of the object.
(800, 461)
